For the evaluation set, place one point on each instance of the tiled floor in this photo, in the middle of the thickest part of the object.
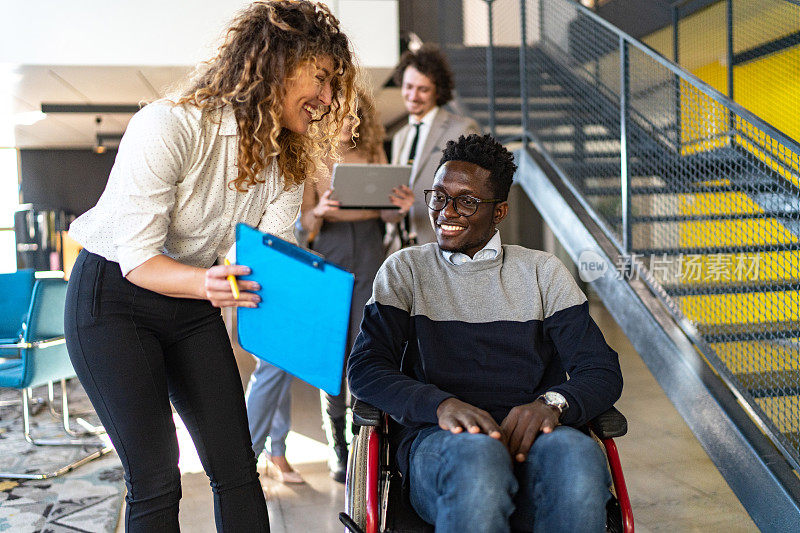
(673, 485)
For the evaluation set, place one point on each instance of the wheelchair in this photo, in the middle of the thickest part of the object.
(374, 499)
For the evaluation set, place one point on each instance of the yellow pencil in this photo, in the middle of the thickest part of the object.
(232, 281)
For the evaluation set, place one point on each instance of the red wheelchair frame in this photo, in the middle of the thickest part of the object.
(373, 499)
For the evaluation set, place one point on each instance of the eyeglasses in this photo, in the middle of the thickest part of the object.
(464, 204)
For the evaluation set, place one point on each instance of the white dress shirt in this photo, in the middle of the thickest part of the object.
(424, 130)
(489, 251)
(169, 192)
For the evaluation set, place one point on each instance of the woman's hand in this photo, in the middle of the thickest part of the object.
(218, 288)
(402, 197)
(325, 205)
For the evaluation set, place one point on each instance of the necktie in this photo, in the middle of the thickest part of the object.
(413, 152)
(408, 237)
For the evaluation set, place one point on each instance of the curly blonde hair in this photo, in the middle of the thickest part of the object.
(368, 132)
(265, 45)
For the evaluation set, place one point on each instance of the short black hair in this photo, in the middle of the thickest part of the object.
(430, 61)
(486, 152)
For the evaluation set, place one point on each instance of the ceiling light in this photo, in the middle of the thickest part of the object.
(48, 107)
(414, 42)
(104, 141)
(99, 147)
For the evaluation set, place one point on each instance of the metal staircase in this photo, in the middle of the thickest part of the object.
(697, 197)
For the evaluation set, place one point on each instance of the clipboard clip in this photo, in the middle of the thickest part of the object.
(309, 258)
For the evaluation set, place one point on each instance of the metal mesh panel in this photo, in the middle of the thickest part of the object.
(764, 22)
(714, 193)
(702, 41)
(573, 102)
(485, 63)
(766, 59)
(758, 64)
(466, 56)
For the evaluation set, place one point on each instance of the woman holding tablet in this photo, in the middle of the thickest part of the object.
(353, 239)
(142, 318)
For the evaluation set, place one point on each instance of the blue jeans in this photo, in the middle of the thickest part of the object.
(269, 409)
(467, 482)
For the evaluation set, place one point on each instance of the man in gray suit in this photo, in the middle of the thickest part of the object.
(426, 84)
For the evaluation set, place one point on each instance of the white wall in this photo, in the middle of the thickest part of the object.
(373, 27)
(161, 32)
(505, 14)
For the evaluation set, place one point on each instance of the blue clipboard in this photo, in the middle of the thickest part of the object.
(301, 323)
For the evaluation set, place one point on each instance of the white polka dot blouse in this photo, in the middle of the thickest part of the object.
(168, 192)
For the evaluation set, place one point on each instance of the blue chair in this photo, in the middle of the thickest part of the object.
(42, 358)
(16, 289)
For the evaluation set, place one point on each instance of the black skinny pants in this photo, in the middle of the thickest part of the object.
(135, 351)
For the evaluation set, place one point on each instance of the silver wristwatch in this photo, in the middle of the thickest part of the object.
(555, 399)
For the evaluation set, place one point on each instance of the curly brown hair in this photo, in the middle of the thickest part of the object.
(265, 44)
(369, 133)
(430, 61)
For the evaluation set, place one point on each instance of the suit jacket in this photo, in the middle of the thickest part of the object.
(446, 126)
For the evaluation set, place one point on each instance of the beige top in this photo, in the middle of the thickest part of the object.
(168, 192)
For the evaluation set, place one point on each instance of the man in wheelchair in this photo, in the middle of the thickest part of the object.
(468, 345)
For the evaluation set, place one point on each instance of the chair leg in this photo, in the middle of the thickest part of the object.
(38, 401)
(9, 403)
(63, 470)
(26, 426)
(31, 399)
(26, 415)
(52, 402)
(101, 451)
(63, 415)
(90, 429)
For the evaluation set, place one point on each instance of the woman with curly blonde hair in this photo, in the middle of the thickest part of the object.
(142, 318)
(354, 240)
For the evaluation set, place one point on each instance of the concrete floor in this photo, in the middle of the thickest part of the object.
(674, 486)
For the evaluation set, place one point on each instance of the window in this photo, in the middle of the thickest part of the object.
(9, 202)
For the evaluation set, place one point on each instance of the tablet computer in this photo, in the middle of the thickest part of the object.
(361, 186)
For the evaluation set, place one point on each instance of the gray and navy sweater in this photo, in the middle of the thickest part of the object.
(494, 333)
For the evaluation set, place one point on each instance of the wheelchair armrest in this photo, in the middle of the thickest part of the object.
(609, 424)
(366, 415)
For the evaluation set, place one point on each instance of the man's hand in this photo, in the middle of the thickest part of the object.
(457, 416)
(524, 423)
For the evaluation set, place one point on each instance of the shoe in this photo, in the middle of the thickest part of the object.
(292, 477)
(337, 442)
(280, 469)
(337, 462)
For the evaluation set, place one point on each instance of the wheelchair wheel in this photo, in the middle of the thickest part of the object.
(356, 486)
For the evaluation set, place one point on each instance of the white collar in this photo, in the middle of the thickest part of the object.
(489, 251)
(427, 120)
